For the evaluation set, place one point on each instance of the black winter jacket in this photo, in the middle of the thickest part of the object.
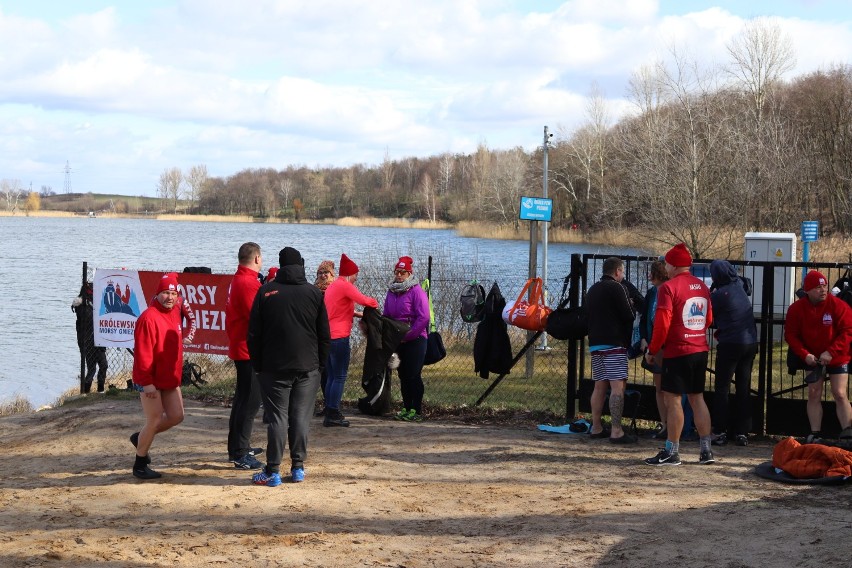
(288, 324)
(611, 313)
(492, 349)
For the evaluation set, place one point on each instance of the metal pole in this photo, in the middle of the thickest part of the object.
(530, 363)
(83, 343)
(544, 235)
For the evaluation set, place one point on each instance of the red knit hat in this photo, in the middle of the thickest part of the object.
(167, 282)
(679, 256)
(813, 279)
(404, 263)
(347, 267)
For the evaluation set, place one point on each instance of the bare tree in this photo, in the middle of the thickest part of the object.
(427, 192)
(445, 173)
(11, 192)
(507, 183)
(195, 180)
(760, 55)
(171, 186)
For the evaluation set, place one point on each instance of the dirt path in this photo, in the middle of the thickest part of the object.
(387, 493)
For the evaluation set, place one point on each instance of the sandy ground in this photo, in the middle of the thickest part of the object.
(388, 493)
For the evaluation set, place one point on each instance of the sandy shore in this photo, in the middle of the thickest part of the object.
(387, 493)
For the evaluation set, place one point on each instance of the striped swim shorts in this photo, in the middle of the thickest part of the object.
(609, 364)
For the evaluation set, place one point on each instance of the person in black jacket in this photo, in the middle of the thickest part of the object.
(736, 337)
(611, 315)
(95, 356)
(288, 342)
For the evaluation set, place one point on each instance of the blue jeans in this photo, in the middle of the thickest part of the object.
(337, 368)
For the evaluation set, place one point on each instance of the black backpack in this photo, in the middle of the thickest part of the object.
(192, 375)
(472, 300)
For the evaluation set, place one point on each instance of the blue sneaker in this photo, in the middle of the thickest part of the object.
(297, 474)
(268, 479)
(248, 461)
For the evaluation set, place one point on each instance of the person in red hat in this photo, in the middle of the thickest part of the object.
(679, 346)
(340, 299)
(818, 332)
(157, 368)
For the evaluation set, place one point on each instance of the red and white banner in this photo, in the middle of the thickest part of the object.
(120, 296)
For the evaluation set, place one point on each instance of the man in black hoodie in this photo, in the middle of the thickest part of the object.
(611, 314)
(288, 341)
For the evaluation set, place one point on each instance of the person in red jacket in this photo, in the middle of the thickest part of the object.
(818, 331)
(340, 299)
(679, 346)
(157, 368)
(246, 402)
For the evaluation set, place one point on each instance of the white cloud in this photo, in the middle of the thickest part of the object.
(139, 87)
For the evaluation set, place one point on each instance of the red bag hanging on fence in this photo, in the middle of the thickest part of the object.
(528, 314)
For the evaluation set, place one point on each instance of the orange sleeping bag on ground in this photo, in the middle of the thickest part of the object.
(811, 461)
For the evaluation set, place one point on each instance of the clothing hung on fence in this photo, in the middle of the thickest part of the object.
(492, 349)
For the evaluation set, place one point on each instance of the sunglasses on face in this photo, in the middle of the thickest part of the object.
(398, 272)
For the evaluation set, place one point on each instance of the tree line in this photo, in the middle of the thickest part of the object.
(709, 151)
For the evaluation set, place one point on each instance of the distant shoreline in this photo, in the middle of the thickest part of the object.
(463, 229)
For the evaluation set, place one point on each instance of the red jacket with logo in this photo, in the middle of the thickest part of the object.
(815, 328)
(241, 295)
(682, 318)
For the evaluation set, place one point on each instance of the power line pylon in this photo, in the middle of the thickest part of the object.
(67, 177)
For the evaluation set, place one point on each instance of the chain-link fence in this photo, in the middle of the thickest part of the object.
(537, 383)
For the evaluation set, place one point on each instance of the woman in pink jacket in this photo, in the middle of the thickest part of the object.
(340, 299)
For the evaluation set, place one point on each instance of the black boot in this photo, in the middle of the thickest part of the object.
(142, 471)
(87, 387)
(100, 386)
(333, 417)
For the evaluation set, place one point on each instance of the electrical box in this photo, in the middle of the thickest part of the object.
(772, 247)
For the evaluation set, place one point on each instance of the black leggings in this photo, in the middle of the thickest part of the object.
(411, 356)
(733, 360)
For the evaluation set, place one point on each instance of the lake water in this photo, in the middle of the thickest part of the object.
(42, 269)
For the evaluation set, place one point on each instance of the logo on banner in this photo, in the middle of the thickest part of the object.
(118, 304)
(119, 300)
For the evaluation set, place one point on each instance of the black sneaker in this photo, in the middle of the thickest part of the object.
(660, 432)
(134, 439)
(706, 457)
(719, 439)
(146, 473)
(333, 417)
(813, 439)
(248, 461)
(255, 451)
(742, 440)
(664, 458)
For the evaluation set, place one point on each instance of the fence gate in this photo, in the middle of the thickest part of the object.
(778, 398)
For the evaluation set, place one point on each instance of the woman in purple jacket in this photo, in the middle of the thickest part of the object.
(406, 301)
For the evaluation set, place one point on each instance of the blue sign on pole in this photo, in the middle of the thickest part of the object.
(810, 231)
(536, 209)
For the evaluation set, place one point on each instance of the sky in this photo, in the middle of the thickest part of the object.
(104, 96)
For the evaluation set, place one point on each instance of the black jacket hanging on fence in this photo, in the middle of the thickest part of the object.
(383, 336)
(492, 350)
